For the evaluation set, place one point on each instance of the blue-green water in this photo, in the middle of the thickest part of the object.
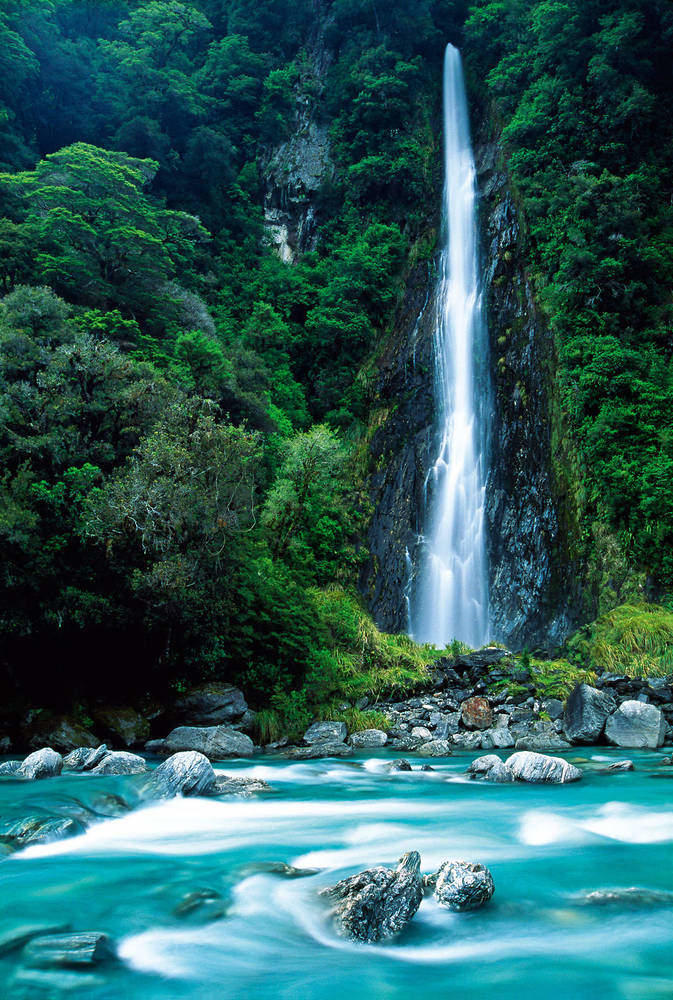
(546, 846)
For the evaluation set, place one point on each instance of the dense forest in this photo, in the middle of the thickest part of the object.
(185, 416)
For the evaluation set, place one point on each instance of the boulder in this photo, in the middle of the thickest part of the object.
(636, 724)
(69, 950)
(499, 738)
(586, 712)
(500, 774)
(436, 748)
(324, 748)
(125, 725)
(85, 758)
(369, 738)
(476, 713)
(467, 741)
(45, 763)
(120, 762)
(378, 903)
(461, 885)
(10, 769)
(211, 704)
(185, 773)
(482, 765)
(320, 732)
(216, 742)
(537, 767)
(421, 733)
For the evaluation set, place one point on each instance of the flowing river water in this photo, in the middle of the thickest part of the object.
(546, 846)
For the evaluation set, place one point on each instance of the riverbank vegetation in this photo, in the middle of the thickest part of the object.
(183, 493)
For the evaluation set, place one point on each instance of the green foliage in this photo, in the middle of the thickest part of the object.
(632, 639)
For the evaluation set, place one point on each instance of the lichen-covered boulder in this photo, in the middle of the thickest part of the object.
(44, 763)
(636, 724)
(525, 765)
(378, 903)
(462, 885)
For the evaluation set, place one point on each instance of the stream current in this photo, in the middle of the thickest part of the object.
(545, 845)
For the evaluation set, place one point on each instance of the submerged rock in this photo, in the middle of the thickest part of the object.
(319, 732)
(586, 713)
(324, 748)
(369, 738)
(621, 765)
(45, 763)
(120, 762)
(69, 950)
(228, 785)
(39, 830)
(378, 903)
(636, 724)
(631, 896)
(185, 773)
(205, 905)
(278, 868)
(17, 937)
(462, 885)
(400, 765)
(539, 768)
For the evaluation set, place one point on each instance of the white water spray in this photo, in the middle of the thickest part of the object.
(450, 592)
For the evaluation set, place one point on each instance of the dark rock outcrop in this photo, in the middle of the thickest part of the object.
(378, 903)
(586, 713)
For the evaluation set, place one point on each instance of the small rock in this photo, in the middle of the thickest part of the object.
(399, 765)
(461, 885)
(120, 762)
(378, 903)
(499, 738)
(369, 738)
(421, 733)
(45, 763)
(621, 765)
(467, 741)
(74, 950)
(636, 724)
(482, 765)
(204, 904)
(436, 748)
(537, 767)
(243, 787)
(476, 713)
(278, 868)
(334, 732)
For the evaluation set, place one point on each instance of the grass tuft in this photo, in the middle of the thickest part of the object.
(632, 639)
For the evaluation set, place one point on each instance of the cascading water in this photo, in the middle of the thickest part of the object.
(449, 597)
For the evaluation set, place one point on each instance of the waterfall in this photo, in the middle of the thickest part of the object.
(449, 595)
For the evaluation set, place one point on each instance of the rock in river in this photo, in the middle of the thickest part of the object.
(461, 885)
(378, 903)
(490, 767)
(586, 712)
(85, 758)
(636, 724)
(526, 765)
(369, 738)
(187, 773)
(120, 762)
(45, 763)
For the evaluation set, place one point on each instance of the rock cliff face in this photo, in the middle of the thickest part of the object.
(531, 580)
